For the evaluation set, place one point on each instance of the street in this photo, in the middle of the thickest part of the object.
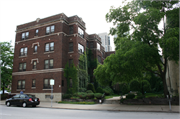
(14, 112)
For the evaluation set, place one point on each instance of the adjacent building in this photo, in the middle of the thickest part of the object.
(105, 39)
(43, 47)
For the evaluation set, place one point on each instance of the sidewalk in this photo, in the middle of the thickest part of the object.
(110, 107)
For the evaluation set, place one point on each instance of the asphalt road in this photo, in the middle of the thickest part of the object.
(14, 112)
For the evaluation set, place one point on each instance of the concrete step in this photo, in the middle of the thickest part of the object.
(111, 102)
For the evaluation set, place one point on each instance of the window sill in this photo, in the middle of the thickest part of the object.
(22, 56)
(33, 87)
(46, 89)
(71, 52)
(48, 52)
(35, 36)
(35, 53)
(34, 69)
(20, 89)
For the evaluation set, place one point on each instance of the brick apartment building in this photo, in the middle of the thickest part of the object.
(43, 47)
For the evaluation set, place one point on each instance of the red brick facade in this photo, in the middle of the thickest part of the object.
(61, 37)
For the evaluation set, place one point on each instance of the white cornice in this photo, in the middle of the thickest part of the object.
(37, 71)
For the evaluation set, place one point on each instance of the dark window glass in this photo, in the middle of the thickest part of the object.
(70, 83)
(35, 48)
(91, 45)
(47, 84)
(80, 48)
(48, 64)
(33, 83)
(22, 67)
(62, 83)
(71, 30)
(21, 84)
(99, 59)
(70, 46)
(34, 64)
(87, 44)
(49, 47)
(23, 51)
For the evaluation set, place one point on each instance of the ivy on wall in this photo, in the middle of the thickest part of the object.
(70, 73)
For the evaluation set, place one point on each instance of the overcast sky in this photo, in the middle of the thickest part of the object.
(16, 12)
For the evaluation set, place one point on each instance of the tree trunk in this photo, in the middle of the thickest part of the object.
(166, 92)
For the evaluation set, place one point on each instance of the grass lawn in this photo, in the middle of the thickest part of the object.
(111, 96)
(66, 102)
(154, 95)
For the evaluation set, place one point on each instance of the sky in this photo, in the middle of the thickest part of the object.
(16, 12)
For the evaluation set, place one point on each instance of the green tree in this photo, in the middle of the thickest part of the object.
(6, 64)
(138, 51)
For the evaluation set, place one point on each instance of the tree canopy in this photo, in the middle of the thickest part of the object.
(139, 41)
(6, 64)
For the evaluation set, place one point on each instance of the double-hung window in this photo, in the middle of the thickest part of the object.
(21, 84)
(23, 51)
(36, 33)
(22, 66)
(80, 48)
(25, 35)
(50, 29)
(34, 64)
(80, 32)
(49, 47)
(46, 84)
(34, 83)
(99, 59)
(48, 64)
(35, 48)
(71, 30)
(70, 46)
(98, 46)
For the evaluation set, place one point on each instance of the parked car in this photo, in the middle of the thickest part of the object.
(5, 91)
(23, 100)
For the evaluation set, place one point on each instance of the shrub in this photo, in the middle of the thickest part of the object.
(134, 85)
(123, 87)
(108, 91)
(98, 95)
(91, 87)
(130, 96)
(82, 89)
(90, 95)
(3, 97)
(146, 86)
(82, 95)
(89, 91)
(99, 90)
(66, 96)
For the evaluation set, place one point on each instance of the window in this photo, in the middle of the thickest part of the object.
(48, 64)
(47, 84)
(36, 33)
(35, 48)
(16, 96)
(98, 46)
(50, 29)
(33, 83)
(71, 30)
(108, 40)
(23, 51)
(70, 83)
(81, 64)
(49, 47)
(70, 62)
(34, 64)
(87, 44)
(25, 35)
(62, 83)
(22, 67)
(91, 45)
(99, 59)
(70, 46)
(80, 32)
(80, 48)
(21, 84)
